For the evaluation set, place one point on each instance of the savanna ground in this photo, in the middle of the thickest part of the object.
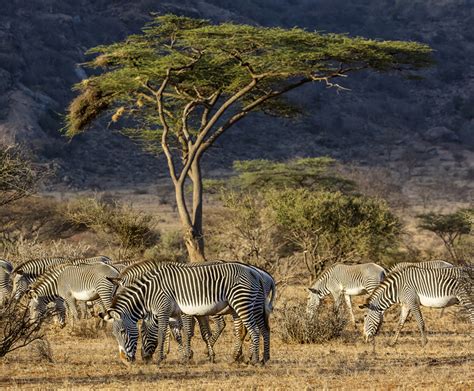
(87, 359)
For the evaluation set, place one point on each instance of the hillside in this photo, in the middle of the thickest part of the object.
(420, 131)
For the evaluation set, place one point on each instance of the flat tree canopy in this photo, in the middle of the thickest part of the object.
(183, 82)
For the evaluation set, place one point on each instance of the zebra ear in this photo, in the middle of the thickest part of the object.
(20, 272)
(312, 290)
(115, 280)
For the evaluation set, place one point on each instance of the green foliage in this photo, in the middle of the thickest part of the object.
(450, 228)
(257, 175)
(133, 231)
(331, 226)
(202, 59)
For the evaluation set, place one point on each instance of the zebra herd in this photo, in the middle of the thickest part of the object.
(435, 284)
(172, 296)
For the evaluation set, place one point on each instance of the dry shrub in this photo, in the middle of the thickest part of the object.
(43, 350)
(133, 231)
(27, 249)
(295, 326)
(17, 329)
(87, 328)
(38, 218)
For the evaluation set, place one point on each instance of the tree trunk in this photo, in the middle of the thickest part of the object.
(192, 228)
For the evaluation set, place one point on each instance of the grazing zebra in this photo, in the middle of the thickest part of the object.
(126, 278)
(436, 264)
(70, 283)
(6, 269)
(198, 290)
(344, 281)
(27, 272)
(412, 287)
(149, 343)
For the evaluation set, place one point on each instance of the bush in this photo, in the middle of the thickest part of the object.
(133, 231)
(297, 327)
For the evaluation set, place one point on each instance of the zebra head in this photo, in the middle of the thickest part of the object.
(125, 331)
(314, 299)
(372, 321)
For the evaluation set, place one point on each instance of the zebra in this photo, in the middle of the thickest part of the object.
(149, 344)
(6, 269)
(344, 280)
(412, 287)
(435, 264)
(27, 272)
(70, 283)
(199, 290)
(127, 276)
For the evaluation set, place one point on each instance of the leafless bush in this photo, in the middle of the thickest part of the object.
(18, 176)
(295, 326)
(17, 329)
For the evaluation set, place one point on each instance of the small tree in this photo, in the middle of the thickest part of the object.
(330, 227)
(184, 82)
(450, 228)
(17, 329)
(18, 177)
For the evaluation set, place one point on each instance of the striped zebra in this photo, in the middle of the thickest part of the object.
(69, 283)
(414, 286)
(126, 278)
(6, 269)
(342, 280)
(199, 290)
(149, 343)
(27, 272)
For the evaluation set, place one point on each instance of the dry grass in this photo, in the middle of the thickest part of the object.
(79, 362)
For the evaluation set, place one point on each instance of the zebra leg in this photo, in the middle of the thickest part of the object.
(188, 332)
(60, 312)
(206, 336)
(349, 305)
(162, 326)
(176, 327)
(404, 312)
(421, 324)
(239, 335)
(219, 322)
(71, 305)
(149, 332)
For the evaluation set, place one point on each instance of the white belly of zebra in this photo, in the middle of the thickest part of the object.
(437, 302)
(85, 295)
(202, 308)
(354, 291)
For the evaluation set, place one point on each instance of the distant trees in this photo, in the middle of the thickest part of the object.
(290, 211)
(184, 82)
(450, 228)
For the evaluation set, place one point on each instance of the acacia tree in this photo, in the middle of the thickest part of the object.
(450, 228)
(184, 82)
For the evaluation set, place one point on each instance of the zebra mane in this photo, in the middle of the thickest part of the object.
(29, 265)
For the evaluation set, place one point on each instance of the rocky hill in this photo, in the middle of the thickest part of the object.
(422, 131)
